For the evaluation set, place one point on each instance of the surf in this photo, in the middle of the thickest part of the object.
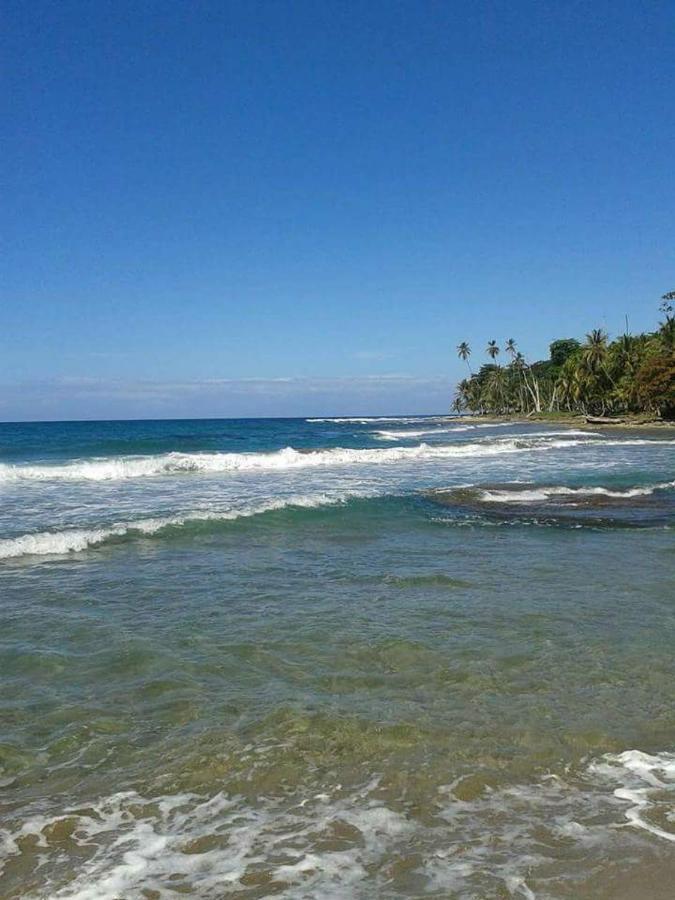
(74, 540)
(289, 458)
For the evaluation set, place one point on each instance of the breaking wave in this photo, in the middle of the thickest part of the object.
(395, 435)
(288, 459)
(368, 420)
(543, 493)
(73, 540)
(546, 505)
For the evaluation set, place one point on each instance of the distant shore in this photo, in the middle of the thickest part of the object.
(628, 422)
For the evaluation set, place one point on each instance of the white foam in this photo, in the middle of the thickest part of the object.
(642, 775)
(393, 435)
(530, 495)
(73, 540)
(497, 424)
(132, 845)
(505, 839)
(397, 435)
(165, 464)
(368, 420)
(411, 420)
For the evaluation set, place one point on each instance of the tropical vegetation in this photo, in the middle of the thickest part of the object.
(635, 373)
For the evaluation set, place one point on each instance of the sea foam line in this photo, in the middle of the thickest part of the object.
(368, 420)
(287, 459)
(394, 435)
(546, 492)
(73, 540)
(397, 435)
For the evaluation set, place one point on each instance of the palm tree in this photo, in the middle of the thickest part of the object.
(631, 374)
(496, 389)
(594, 354)
(464, 352)
(492, 349)
(463, 397)
(518, 369)
(532, 387)
(518, 366)
(565, 386)
(594, 351)
(625, 352)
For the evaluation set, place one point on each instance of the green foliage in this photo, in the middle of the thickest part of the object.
(562, 349)
(667, 329)
(655, 384)
(634, 373)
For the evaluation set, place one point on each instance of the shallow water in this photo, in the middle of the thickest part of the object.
(403, 658)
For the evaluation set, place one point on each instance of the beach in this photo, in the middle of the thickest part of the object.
(626, 423)
(395, 656)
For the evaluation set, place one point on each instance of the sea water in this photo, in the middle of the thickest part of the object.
(335, 658)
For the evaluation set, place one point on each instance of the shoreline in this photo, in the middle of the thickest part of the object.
(636, 423)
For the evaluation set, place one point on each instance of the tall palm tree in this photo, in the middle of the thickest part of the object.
(464, 352)
(463, 394)
(492, 349)
(565, 386)
(594, 351)
(626, 353)
(496, 389)
(594, 354)
(531, 383)
(518, 368)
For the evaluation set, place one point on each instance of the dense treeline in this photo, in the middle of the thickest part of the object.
(633, 374)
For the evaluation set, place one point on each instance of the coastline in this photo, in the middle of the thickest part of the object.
(625, 423)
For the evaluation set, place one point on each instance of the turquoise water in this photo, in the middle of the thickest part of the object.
(336, 658)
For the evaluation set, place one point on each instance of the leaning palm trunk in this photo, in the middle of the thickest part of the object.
(533, 389)
(554, 398)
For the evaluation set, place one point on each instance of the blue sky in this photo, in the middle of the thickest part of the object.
(264, 208)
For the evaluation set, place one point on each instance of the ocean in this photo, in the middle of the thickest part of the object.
(336, 658)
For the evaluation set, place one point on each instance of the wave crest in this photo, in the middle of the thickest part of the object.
(394, 435)
(73, 540)
(543, 493)
(175, 463)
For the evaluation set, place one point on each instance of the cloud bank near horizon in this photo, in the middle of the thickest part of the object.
(83, 397)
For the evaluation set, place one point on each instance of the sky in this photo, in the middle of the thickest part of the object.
(300, 208)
